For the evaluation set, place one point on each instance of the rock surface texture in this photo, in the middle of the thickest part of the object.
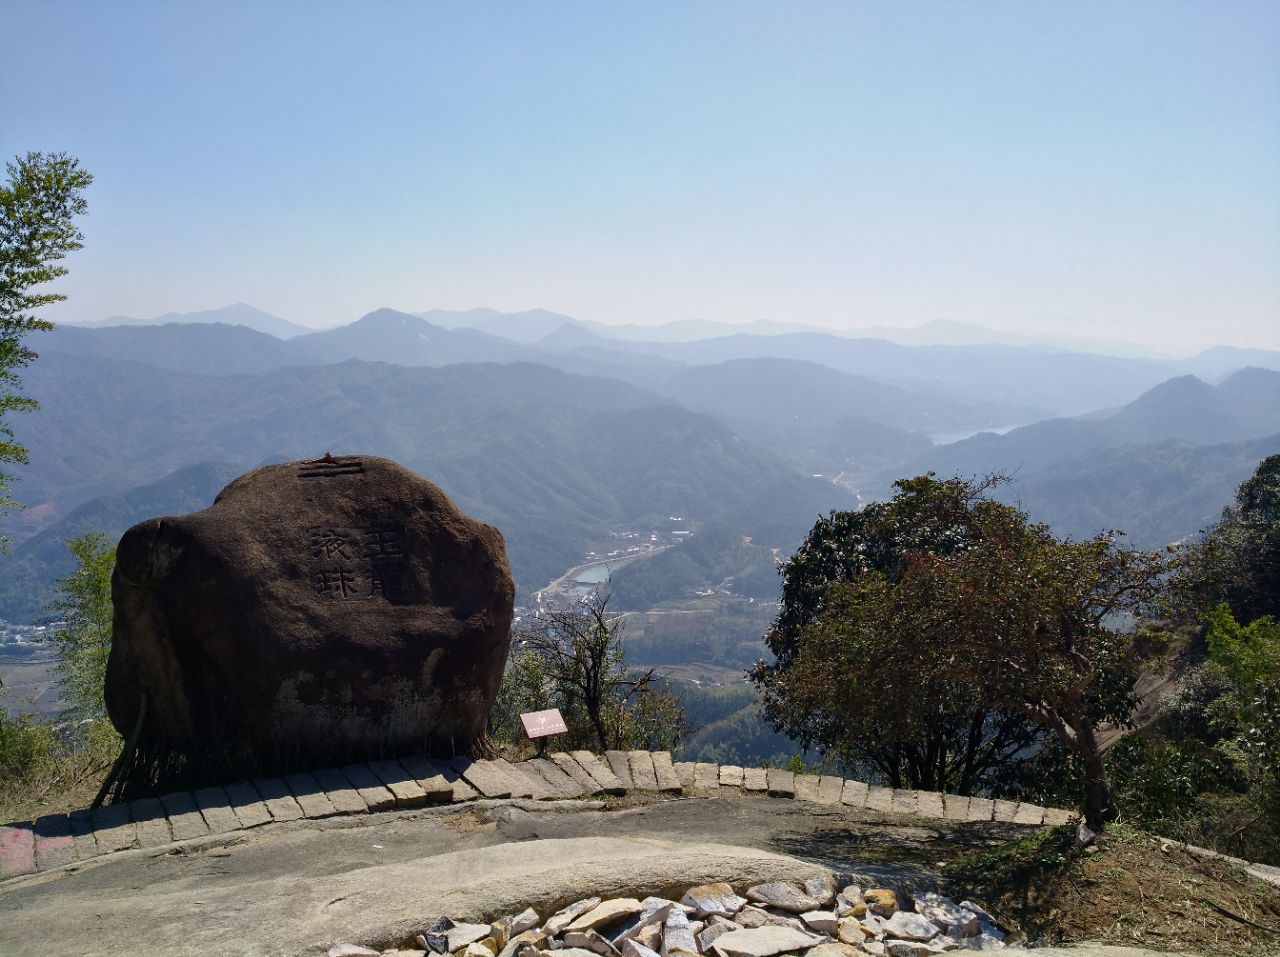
(630, 927)
(316, 613)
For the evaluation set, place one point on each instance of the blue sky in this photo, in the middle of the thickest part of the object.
(1099, 168)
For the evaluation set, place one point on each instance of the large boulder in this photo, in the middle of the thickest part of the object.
(317, 612)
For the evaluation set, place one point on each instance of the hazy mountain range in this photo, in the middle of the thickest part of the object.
(239, 314)
(559, 433)
(528, 326)
(1030, 382)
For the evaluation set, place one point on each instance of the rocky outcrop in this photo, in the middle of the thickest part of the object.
(712, 920)
(317, 613)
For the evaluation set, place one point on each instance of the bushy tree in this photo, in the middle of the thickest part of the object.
(951, 597)
(84, 640)
(1206, 768)
(1250, 657)
(1237, 561)
(827, 687)
(572, 659)
(41, 759)
(38, 206)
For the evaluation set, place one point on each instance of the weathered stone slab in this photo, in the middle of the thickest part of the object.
(55, 846)
(275, 795)
(560, 782)
(879, 799)
(153, 825)
(430, 778)
(488, 778)
(1029, 814)
(523, 786)
(462, 789)
(620, 764)
(1005, 811)
(487, 781)
(781, 783)
(185, 819)
(537, 787)
(578, 772)
(783, 895)
(981, 809)
(643, 775)
(216, 808)
(957, 807)
(706, 777)
(854, 794)
(904, 801)
(113, 827)
(685, 772)
(829, 789)
(315, 804)
(1056, 816)
(806, 787)
(930, 804)
(599, 771)
(402, 785)
(337, 791)
(677, 935)
(247, 803)
(764, 941)
(665, 771)
(755, 780)
(371, 790)
(17, 849)
(730, 776)
(82, 833)
(606, 913)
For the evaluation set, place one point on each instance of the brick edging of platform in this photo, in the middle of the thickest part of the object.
(59, 840)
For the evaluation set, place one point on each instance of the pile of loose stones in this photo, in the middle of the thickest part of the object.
(781, 918)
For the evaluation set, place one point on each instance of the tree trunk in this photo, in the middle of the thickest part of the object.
(1099, 802)
(597, 723)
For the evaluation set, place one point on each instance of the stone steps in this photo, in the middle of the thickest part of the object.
(57, 840)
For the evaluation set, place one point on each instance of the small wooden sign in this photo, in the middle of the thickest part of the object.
(539, 724)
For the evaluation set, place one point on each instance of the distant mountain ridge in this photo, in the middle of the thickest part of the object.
(237, 314)
(530, 325)
(554, 460)
(34, 564)
(1160, 467)
(564, 438)
(1054, 382)
(1245, 406)
(402, 339)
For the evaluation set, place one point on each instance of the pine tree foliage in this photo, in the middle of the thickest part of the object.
(38, 206)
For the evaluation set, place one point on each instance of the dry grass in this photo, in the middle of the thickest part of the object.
(41, 773)
(1129, 888)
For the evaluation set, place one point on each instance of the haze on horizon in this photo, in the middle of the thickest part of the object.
(1102, 170)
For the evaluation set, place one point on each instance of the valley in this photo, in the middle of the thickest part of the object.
(673, 471)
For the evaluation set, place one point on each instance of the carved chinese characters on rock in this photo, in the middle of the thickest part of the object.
(357, 564)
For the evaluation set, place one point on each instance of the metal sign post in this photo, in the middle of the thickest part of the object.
(540, 725)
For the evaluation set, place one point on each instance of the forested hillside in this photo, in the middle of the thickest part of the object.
(559, 458)
(554, 460)
(1160, 467)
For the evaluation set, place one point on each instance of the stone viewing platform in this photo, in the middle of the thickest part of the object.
(62, 840)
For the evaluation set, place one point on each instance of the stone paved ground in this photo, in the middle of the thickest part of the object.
(300, 886)
(60, 840)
